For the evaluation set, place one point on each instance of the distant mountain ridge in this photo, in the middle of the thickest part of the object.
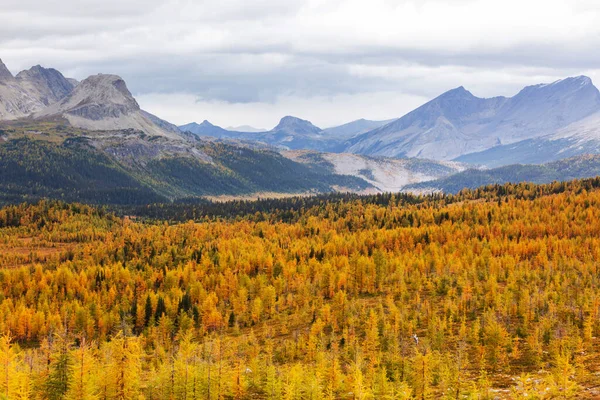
(245, 128)
(458, 123)
(100, 117)
(206, 129)
(90, 141)
(541, 123)
(291, 133)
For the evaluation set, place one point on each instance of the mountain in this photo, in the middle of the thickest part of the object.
(291, 133)
(585, 166)
(580, 137)
(47, 159)
(5, 74)
(296, 126)
(15, 100)
(207, 129)
(245, 128)
(49, 84)
(384, 174)
(354, 128)
(100, 102)
(103, 102)
(458, 123)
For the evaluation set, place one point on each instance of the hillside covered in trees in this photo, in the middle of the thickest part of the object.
(491, 293)
(127, 167)
(579, 167)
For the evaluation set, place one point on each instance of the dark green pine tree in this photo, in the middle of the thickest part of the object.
(57, 383)
(161, 308)
(148, 311)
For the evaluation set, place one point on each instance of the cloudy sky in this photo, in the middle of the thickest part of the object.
(237, 62)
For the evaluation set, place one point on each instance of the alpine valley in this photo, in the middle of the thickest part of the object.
(91, 142)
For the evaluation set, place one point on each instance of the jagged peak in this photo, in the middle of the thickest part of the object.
(4, 72)
(37, 70)
(457, 92)
(574, 82)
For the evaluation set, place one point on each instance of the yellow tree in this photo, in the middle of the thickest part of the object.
(83, 373)
(422, 375)
(10, 381)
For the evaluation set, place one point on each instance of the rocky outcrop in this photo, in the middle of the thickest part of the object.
(49, 84)
(15, 101)
(5, 74)
(103, 102)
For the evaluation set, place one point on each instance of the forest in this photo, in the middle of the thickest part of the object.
(41, 162)
(492, 293)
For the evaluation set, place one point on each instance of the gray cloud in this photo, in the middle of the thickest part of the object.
(263, 53)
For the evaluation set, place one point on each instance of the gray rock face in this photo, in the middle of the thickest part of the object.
(5, 74)
(98, 97)
(50, 84)
(100, 102)
(15, 100)
(161, 123)
(30, 91)
(103, 102)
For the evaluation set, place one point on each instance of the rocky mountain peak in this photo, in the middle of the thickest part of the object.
(459, 93)
(99, 97)
(106, 89)
(48, 82)
(5, 74)
(296, 125)
(562, 87)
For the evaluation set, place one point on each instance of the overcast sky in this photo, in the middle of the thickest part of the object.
(237, 62)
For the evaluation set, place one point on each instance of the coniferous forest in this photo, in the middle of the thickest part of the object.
(490, 293)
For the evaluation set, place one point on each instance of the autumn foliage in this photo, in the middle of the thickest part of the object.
(488, 294)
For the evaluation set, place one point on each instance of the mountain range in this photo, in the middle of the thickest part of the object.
(460, 126)
(541, 123)
(91, 141)
(100, 102)
(291, 133)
